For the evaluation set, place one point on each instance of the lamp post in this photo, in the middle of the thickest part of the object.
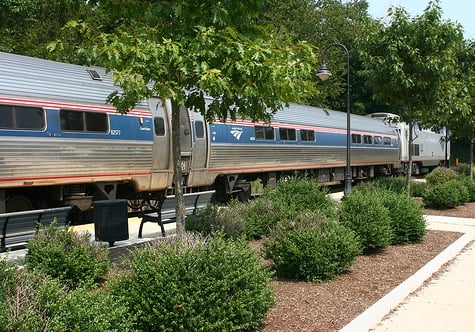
(324, 73)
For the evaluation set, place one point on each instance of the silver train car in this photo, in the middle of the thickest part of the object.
(429, 148)
(60, 143)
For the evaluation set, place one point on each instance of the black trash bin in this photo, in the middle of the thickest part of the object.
(110, 220)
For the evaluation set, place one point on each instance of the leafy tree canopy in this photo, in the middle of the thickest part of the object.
(411, 64)
(27, 26)
(186, 50)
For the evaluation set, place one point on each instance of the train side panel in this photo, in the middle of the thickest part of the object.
(61, 144)
(300, 138)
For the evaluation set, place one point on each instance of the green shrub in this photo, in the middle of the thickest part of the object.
(35, 301)
(364, 213)
(446, 195)
(86, 310)
(396, 184)
(463, 168)
(67, 255)
(301, 194)
(311, 248)
(229, 220)
(262, 216)
(7, 282)
(30, 300)
(470, 186)
(407, 217)
(189, 283)
(419, 188)
(254, 219)
(441, 175)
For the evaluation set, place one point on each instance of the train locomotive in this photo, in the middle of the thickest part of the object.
(61, 144)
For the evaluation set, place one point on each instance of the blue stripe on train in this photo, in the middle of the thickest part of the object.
(122, 127)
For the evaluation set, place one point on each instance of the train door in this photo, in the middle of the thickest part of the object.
(200, 144)
(162, 164)
(403, 131)
(198, 173)
(186, 140)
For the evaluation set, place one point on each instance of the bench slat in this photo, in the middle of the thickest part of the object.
(16, 228)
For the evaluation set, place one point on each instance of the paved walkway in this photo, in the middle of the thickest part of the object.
(446, 303)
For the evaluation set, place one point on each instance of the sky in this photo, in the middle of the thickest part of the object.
(461, 11)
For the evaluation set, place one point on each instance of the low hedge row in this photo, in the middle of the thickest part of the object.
(179, 284)
(209, 282)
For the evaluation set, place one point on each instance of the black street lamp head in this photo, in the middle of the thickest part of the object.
(324, 73)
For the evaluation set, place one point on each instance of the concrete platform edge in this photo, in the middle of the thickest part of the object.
(371, 317)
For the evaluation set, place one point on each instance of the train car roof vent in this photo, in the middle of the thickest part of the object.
(94, 74)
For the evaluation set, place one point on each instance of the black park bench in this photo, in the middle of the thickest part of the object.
(165, 213)
(16, 228)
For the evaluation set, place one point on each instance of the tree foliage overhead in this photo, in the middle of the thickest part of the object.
(411, 64)
(186, 50)
(322, 23)
(27, 26)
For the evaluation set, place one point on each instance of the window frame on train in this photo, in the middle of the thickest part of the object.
(83, 121)
(307, 135)
(22, 117)
(287, 134)
(264, 133)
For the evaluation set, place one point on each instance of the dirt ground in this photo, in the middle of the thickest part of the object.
(328, 306)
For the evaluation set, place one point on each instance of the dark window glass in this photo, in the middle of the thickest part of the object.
(71, 120)
(415, 149)
(96, 122)
(200, 130)
(264, 133)
(378, 140)
(356, 139)
(6, 117)
(22, 117)
(287, 134)
(83, 121)
(387, 141)
(307, 135)
(368, 139)
(159, 124)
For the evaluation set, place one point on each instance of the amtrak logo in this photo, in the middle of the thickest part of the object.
(236, 132)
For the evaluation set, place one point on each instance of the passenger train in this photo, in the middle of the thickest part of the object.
(61, 144)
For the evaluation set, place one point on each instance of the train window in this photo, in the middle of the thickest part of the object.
(378, 140)
(159, 124)
(200, 129)
(264, 132)
(415, 149)
(96, 122)
(287, 134)
(387, 141)
(21, 117)
(83, 121)
(368, 139)
(307, 135)
(71, 120)
(356, 138)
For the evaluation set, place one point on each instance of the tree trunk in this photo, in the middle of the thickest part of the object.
(177, 174)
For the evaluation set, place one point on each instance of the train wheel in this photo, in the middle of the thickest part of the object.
(18, 203)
